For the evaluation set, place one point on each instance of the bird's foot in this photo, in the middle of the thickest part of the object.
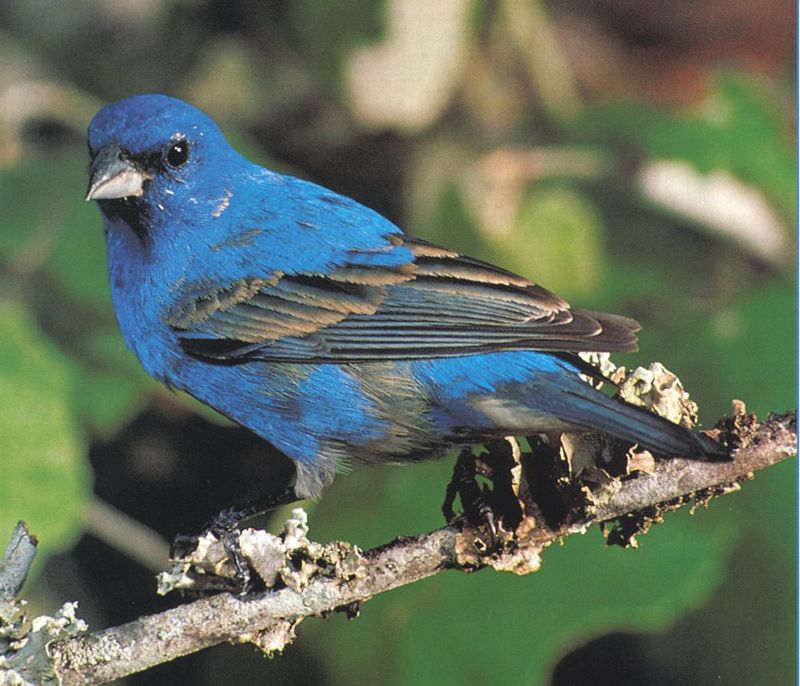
(493, 512)
(475, 500)
(225, 528)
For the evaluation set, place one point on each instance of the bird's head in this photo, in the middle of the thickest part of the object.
(154, 153)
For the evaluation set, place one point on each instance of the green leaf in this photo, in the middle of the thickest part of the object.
(63, 234)
(447, 212)
(556, 241)
(113, 386)
(747, 633)
(754, 340)
(58, 249)
(740, 129)
(744, 350)
(45, 478)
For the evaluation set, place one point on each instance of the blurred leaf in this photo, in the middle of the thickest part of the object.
(114, 387)
(499, 628)
(107, 399)
(431, 185)
(329, 30)
(720, 204)
(744, 351)
(64, 234)
(407, 80)
(228, 83)
(556, 241)
(754, 343)
(449, 223)
(112, 384)
(739, 129)
(45, 479)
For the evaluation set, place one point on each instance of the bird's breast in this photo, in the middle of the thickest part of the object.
(139, 295)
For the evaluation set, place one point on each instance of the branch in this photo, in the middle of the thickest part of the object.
(17, 561)
(310, 579)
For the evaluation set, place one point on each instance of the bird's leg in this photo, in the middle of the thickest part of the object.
(473, 498)
(463, 470)
(497, 464)
(224, 527)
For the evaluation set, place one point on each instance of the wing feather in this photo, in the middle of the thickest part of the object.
(438, 304)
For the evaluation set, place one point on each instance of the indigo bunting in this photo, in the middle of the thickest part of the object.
(319, 325)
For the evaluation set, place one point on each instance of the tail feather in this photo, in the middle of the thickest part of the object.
(662, 437)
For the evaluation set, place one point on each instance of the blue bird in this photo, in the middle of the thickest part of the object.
(319, 325)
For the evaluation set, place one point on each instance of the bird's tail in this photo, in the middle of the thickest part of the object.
(628, 422)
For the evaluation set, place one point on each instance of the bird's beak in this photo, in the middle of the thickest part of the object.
(112, 175)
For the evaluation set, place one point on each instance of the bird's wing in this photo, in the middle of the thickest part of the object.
(438, 304)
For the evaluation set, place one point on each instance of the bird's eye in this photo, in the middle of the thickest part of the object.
(178, 153)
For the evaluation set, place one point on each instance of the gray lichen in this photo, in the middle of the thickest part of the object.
(23, 642)
(289, 559)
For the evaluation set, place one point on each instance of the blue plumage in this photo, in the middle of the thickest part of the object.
(319, 325)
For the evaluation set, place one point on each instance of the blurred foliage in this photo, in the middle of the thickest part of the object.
(45, 477)
(738, 128)
(510, 155)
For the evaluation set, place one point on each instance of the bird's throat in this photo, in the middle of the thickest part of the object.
(130, 212)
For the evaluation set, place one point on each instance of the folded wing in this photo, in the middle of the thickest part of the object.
(438, 304)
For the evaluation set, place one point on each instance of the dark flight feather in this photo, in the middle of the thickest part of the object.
(442, 304)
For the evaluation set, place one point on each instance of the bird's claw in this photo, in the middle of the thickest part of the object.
(476, 509)
(224, 527)
(243, 579)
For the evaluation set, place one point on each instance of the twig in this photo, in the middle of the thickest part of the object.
(775, 441)
(126, 535)
(16, 562)
(268, 619)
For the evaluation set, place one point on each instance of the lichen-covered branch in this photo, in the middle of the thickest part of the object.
(16, 561)
(311, 579)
